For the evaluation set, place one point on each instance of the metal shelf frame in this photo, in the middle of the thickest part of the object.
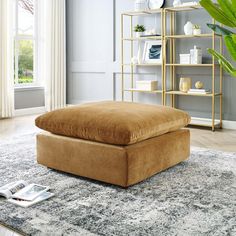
(170, 38)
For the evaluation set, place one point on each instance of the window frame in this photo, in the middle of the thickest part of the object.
(34, 39)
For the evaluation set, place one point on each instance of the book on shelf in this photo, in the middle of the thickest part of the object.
(24, 194)
(199, 91)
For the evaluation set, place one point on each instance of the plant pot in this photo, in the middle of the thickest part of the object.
(197, 31)
(138, 34)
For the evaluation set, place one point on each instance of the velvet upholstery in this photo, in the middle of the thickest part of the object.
(119, 165)
(120, 123)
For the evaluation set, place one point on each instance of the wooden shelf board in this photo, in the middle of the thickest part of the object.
(145, 12)
(192, 65)
(183, 8)
(192, 94)
(182, 36)
(142, 91)
(143, 38)
(150, 64)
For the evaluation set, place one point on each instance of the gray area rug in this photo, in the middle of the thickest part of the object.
(196, 197)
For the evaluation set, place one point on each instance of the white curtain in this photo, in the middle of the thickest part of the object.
(6, 59)
(52, 52)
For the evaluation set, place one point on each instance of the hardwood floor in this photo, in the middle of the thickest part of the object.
(7, 232)
(224, 140)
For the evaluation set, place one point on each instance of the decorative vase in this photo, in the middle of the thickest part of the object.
(140, 5)
(185, 84)
(177, 3)
(197, 31)
(188, 28)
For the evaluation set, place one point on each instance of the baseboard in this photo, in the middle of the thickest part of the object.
(227, 124)
(30, 111)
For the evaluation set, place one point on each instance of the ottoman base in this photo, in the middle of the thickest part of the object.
(119, 165)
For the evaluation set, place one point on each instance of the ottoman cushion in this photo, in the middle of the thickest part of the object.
(120, 123)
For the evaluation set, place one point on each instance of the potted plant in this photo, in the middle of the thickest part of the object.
(224, 12)
(139, 29)
(197, 29)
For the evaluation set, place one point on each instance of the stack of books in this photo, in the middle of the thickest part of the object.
(199, 91)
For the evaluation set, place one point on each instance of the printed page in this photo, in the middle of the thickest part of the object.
(10, 189)
(30, 192)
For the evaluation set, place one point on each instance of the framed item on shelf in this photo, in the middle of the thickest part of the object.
(153, 52)
(155, 4)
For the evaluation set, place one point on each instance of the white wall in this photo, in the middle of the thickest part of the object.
(93, 59)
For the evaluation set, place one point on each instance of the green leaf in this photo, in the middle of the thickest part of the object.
(223, 62)
(219, 30)
(231, 45)
(234, 37)
(226, 6)
(217, 13)
(234, 6)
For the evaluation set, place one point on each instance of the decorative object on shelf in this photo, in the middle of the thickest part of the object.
(146, 85)
(188, 28)
(196, 55)
(186, 4)
(225, 14)
(197, 29)
(185, 84)
(199, 85)
(153, 52)
(156, 4)
(141, 5)
(151, 32)
(199, 91)
(134, 60)
(185, 59)
(177, 3)
(139, 56)
(139, 29)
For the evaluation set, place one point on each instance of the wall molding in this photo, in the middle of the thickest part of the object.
(228, 124)
(30, 111)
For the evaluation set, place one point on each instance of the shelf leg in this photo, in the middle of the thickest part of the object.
(122, 57)
(132, 54)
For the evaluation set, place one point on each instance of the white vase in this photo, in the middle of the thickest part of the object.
(188, 28)
(197, 31)
(177, 3)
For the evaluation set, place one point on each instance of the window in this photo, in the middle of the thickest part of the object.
(25, 43)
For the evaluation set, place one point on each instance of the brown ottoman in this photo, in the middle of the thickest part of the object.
(116, 142)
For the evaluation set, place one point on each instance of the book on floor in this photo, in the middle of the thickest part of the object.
(23, 203)
(23, 194)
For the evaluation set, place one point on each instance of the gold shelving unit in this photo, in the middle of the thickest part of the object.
(170, 38)
(131, 39)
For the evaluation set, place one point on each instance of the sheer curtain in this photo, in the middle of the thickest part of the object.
(52, 51)
(6, 59)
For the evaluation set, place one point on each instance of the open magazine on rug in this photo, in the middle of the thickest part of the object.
(23, 194)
